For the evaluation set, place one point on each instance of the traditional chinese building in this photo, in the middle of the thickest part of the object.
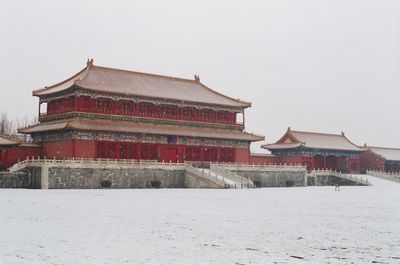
(102, 112)
(317, 151)
(13, 149)
(380, 158)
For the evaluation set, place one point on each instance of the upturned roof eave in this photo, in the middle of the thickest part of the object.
(45, 90)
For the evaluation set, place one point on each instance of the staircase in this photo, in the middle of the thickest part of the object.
(357, 180)
(219, 178)
(231, 179)
(20, 165)
(392, 176)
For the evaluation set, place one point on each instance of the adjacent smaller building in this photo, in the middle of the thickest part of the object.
(13, 149)
(380, 158)
(317, 151)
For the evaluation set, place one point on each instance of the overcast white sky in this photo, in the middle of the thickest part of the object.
(318, 65)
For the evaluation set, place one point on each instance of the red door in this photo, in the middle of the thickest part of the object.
(168, 154)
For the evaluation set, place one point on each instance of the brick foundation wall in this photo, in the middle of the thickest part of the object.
(91, 178)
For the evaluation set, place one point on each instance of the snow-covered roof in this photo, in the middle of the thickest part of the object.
(294, 139)
(8, 141)
(130, 83)
(387, 153)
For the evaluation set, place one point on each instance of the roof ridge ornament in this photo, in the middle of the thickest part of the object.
(89, 62)
(197, 78)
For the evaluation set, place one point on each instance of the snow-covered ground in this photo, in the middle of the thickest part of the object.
(358, 225)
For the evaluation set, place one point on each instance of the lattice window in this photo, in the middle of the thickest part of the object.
(146, 108)
(188, 113)
(101, 105)
(124, 106)
(169, 110)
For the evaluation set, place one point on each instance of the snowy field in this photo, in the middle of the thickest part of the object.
(310, 225)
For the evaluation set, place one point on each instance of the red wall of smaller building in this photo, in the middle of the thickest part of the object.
(354, 165)
(242, 155)
(371, 161)
(392, 166)
(291, 160)
(18, 153)
(264, 159)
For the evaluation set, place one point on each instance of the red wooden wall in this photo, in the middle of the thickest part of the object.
(311, 162)
(392, 166)
(371, 161)
(259, 159)
(144, 151)
(166, 111)
(17, 153)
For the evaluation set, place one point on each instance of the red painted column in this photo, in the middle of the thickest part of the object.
(139, 147)
(180, 113)
(201, 153)
(73, 148)
(338, 163)
(116, 150)
(158, 110)
(183, 156)
(324, 162)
